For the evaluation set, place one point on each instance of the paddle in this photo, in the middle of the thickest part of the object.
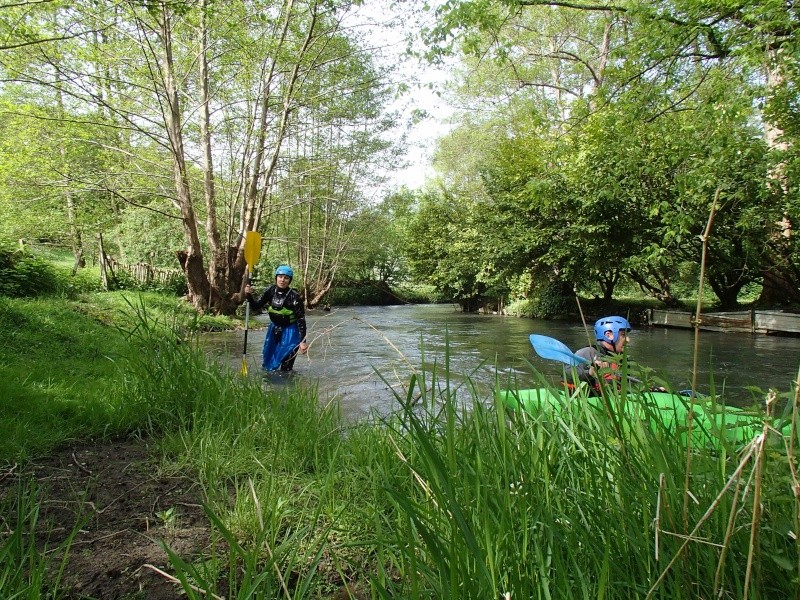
(252, 251)
(551, 349)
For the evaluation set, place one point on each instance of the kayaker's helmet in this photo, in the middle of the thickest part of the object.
(612, 324)
(285, 270)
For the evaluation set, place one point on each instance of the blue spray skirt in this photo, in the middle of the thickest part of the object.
(279, 344)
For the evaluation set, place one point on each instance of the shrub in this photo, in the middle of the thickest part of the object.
(24, 275)
(556, 299)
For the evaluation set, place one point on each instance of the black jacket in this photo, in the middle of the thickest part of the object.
(284, 307)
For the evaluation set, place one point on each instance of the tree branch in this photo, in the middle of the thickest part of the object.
(60, 38)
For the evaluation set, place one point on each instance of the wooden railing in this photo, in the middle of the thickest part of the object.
(141, 272)
(745, 321)
(144, 273)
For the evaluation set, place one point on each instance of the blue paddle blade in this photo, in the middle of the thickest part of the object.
(551, 349)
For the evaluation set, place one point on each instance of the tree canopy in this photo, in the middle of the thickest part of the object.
(589, 144)
(599, 134)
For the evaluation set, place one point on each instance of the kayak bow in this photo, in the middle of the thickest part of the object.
(661, 410)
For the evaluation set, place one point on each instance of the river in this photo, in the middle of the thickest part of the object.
(361, 356)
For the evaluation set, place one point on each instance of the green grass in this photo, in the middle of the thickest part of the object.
(447, 501)
(449, 498)
(24, 569)
(60, 365)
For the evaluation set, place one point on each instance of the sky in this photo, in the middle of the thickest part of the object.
(388, 28)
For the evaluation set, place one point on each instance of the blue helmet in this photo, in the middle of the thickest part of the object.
(285, 270)
(612, 324)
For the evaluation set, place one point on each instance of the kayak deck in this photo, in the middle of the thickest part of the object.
(662, 410)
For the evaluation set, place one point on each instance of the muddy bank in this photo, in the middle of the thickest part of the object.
(125, 507)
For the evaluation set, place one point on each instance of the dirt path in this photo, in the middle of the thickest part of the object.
(128, 508)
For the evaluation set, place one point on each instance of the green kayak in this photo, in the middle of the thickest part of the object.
(662, 410)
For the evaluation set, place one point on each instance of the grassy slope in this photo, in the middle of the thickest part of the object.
(420, 505)
(59, 374)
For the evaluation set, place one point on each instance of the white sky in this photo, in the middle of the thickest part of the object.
(388, 35)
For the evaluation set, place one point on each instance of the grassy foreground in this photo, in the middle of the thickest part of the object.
(436, 502)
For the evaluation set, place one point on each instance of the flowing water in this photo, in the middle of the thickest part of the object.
(363, 356)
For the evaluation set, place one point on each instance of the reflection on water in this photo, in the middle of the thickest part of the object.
(363, 356)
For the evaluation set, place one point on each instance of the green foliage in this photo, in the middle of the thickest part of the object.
(25, 570)
(376, 256)
(24, 275)
(47, 162)
(84, 281)
(601, 167)
(352, 296)
(376, 295)
(446, 247)
(420, 294)
(555, 300)
(174, 284)
(87, 148)
(55, 374)
(59, 365)
(364, 295)
(147, 237)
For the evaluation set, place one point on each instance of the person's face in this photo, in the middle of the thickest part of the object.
(283, 281)
(621, 340)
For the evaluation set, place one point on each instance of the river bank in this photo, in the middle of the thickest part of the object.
(270, 493)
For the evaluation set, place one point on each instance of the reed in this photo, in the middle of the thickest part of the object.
(26, 571)
(451, 497)
(448, 497)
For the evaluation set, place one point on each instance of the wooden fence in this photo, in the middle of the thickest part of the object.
(745, 321)
(142, 272)
(145, 273)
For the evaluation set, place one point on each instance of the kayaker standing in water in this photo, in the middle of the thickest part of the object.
(611, 334)
(286, 335)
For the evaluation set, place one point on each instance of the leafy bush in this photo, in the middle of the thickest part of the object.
(124, 280)
(421, 294)
(375, 295)
(85, 281)
(556, 299)
(521, 308)
(356, 296)
(24, 275)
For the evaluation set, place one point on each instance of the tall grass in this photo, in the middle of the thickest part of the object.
(552, 507)
(451, 497)
(61, 363)
(25, 571)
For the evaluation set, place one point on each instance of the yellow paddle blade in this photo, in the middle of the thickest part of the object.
(244, 367)
(252, 249)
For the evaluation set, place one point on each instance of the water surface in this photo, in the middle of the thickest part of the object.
(362, 356)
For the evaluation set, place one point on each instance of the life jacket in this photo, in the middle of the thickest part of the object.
(595, 388)
(280, 311)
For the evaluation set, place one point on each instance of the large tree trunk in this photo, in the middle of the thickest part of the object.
(191, 259)
(220, 295)
(780, 288)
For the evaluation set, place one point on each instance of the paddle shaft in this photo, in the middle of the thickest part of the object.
(246, 323)
(252, 252)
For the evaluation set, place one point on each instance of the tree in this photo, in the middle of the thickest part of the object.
(376, 257)
(652, 61)
(217, 98)
(446, 245)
